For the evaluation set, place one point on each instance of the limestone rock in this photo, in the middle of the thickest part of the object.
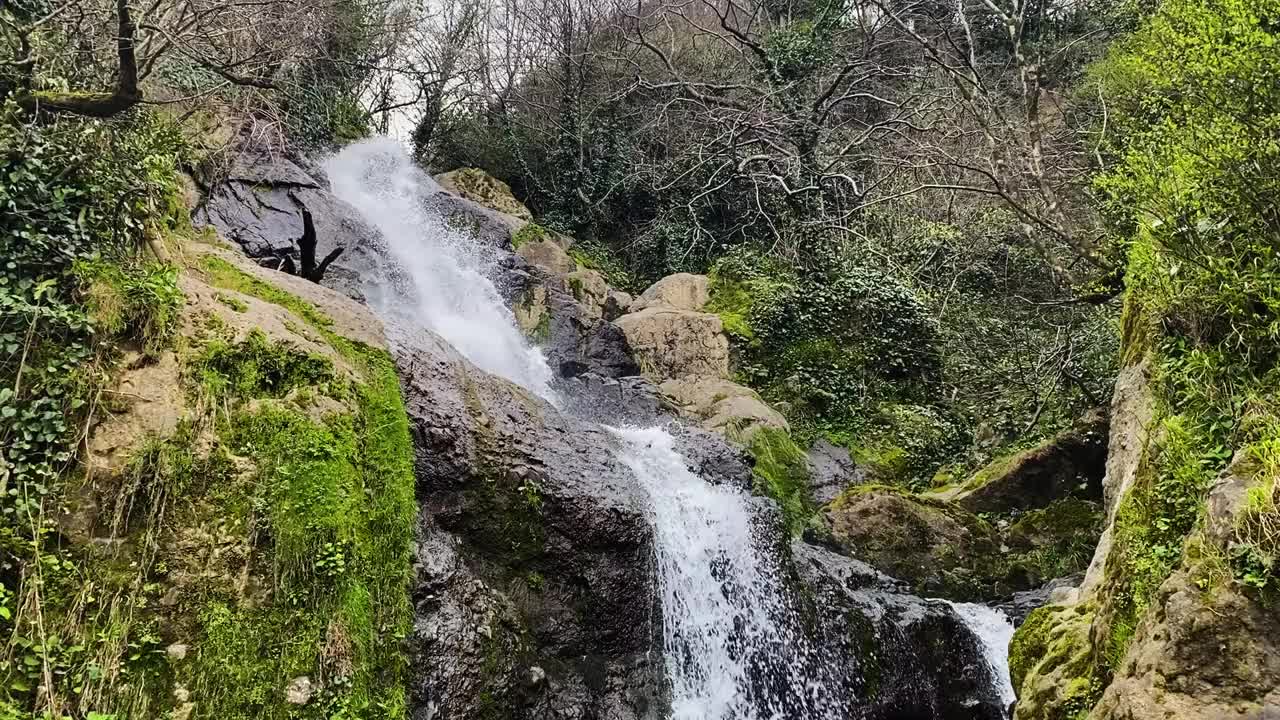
(681, 291)
(548, 255)
(480, 187)
(670, 343)
(722, 406)
(590, 289)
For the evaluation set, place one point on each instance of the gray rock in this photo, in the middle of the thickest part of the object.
(259, 208)
(530, 536)
(1020, 605)
(579, 343)
(832, 471)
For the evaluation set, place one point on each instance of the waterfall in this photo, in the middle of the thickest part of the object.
(733, 643)
(994, 632)
(731, 639)
(441, 281)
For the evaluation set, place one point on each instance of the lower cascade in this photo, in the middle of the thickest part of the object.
(733, 648)
(736, 640)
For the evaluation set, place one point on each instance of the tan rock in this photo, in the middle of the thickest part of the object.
(722, 406)
(482, 188)
(681, 291)
(531, 310)
(547, 255)
(670, 343)
(590, 290)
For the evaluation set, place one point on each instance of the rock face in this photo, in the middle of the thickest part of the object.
(681, 291)
(1071, 463)
(898, 657)
(832, 471)
(259, 207)
(671, 343)
(528, 600)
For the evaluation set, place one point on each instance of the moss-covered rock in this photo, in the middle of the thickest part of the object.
(941, 549)
(1071, 463)
(482, 188)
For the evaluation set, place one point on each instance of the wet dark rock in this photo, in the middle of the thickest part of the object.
(531, 538)
(832, 471)
(626, 401)
(259, 207)
(712, 458)
(897, 656)
(1020, 605)
(578, 343)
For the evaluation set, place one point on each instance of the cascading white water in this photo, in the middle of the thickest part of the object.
(447, 289)
(731, 639)
(732, 645)
(994, 632)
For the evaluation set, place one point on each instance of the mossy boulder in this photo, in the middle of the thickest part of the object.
(937, 547)
(1051, 664)
(484, 189)
(1072, 463)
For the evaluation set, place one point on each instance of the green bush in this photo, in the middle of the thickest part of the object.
(77, 197)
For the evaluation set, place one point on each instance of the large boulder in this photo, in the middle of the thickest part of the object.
(670, 343)
(1071, 463)
(894, 656)
(681, 291)
(721, 406)
(937, 547)
(259, 208)
(484, 189)
(528, 602)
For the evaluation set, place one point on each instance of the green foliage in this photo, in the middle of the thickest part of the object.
(597, 256)
(322, 98)
(257, 367)
(77, 196)
(781, 471)
(1197, 168)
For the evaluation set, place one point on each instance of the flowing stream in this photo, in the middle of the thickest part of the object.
(994, 632)
(731, 640)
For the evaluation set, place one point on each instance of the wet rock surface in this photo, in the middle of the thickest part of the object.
(527, 595)
(897, 656)
(259, 207)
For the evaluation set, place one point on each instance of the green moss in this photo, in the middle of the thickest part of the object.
(542, 331)
(531, 232)
(256, 367)
(336, 497)
(234, 303)
(1050, 664)
(225, 275)
(781, 472)
(732, 300)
